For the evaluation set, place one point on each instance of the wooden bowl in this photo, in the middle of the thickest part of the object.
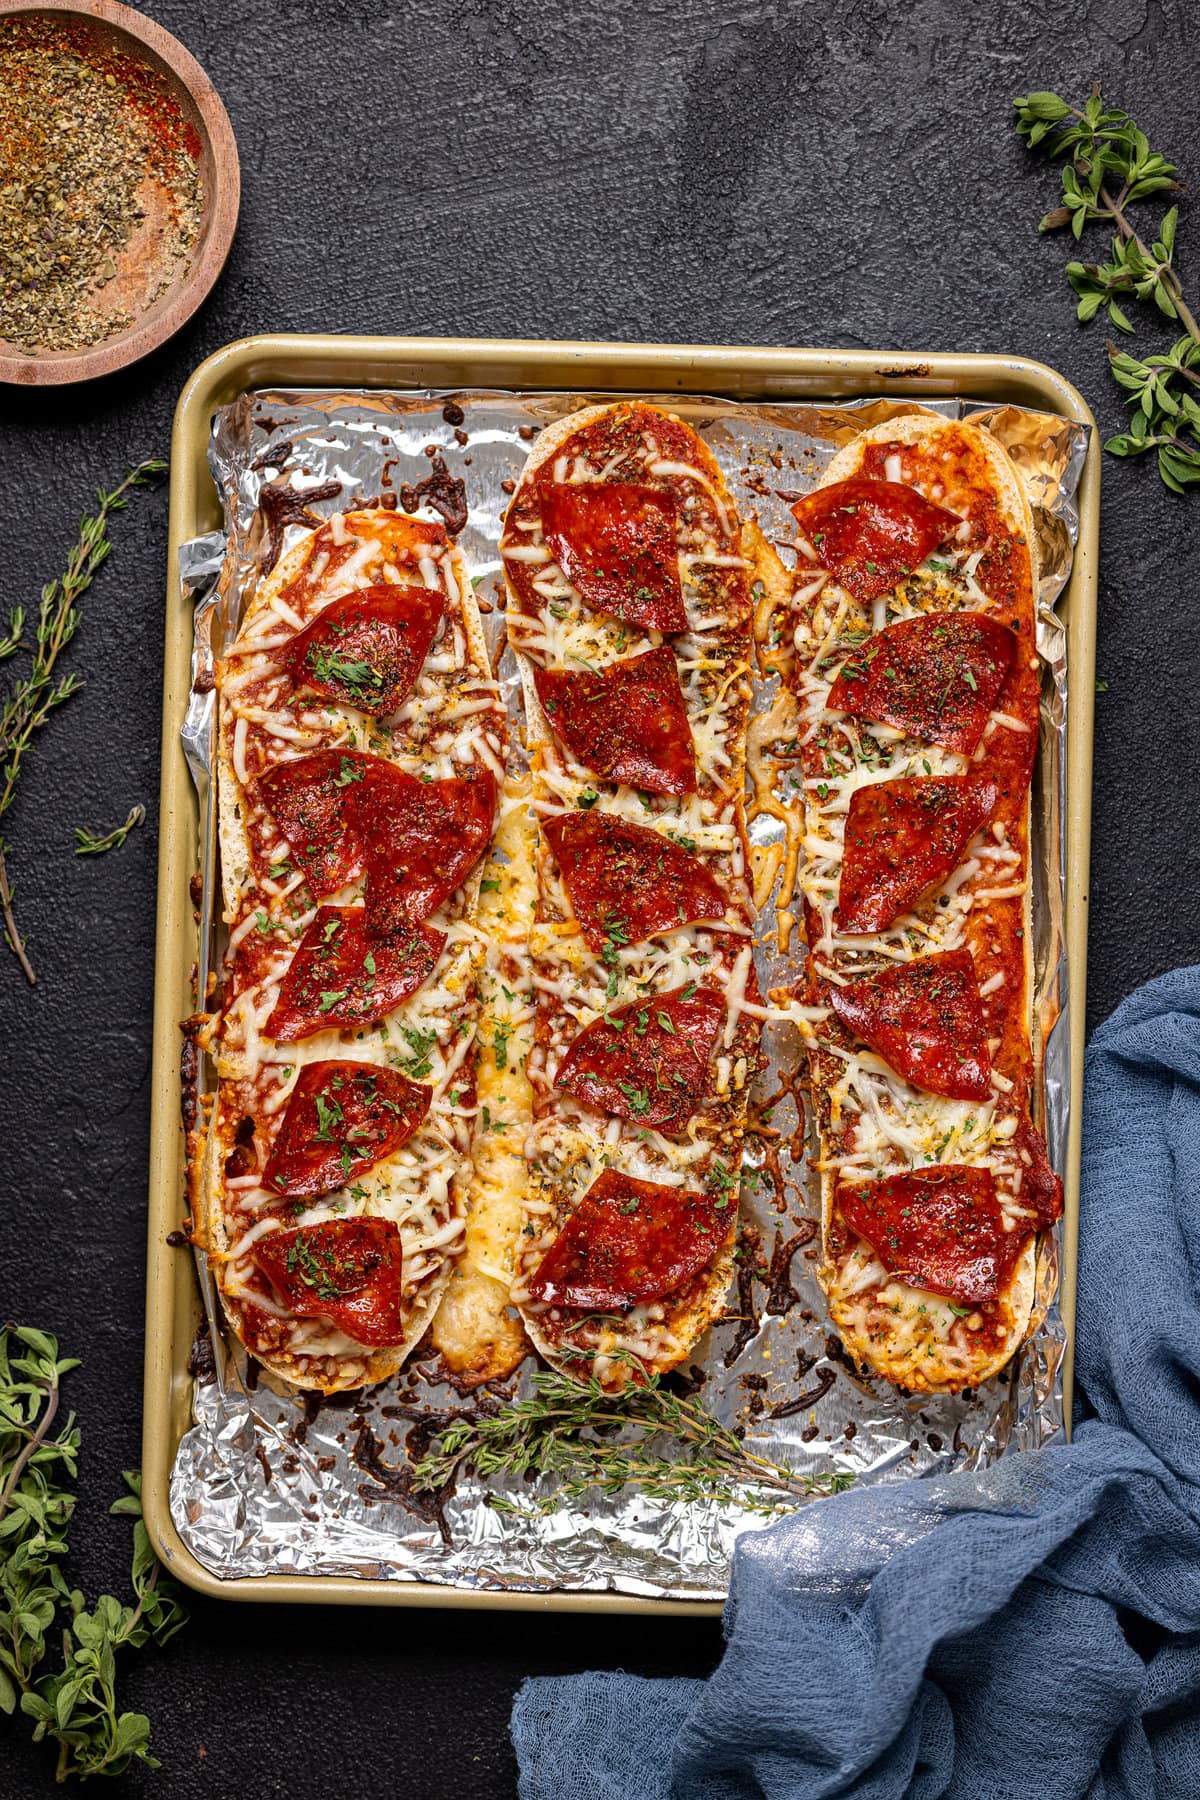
(140, 268)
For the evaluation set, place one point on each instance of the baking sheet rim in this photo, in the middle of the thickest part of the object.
(397, 362)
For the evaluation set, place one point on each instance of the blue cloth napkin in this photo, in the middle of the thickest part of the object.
(1029, 1633)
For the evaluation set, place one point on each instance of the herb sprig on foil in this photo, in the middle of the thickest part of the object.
(1109, 169)
(37, 694)
(76, 1705)
(593, 1442)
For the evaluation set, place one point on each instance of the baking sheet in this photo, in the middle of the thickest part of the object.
(268, 1482)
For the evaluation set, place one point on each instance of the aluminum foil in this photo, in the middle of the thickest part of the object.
(268, 1481)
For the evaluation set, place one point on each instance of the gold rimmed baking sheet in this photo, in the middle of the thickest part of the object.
(395, 364)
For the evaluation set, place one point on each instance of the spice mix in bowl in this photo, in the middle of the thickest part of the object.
(118, 189)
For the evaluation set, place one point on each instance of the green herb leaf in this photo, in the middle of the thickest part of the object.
(74, 1705)
(87, 843)
(418, 1065)
(1108, 167)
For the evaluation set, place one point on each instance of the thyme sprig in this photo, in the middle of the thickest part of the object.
(87, 843)
(38, 694)
(595, 1442)
(76, 1706)
(1109, 167)
(10, 642)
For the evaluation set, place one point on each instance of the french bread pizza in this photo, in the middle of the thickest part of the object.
(917, 687)
(629, 583)
(361, 751)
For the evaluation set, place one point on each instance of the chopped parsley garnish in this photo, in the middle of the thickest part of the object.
(336, 670)
(302, 1261)
(418, 1065)
(329, 1114)
(723, 1181)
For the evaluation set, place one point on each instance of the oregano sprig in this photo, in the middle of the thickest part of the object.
(1109, 167)
(595, 1442)
(76, 1706)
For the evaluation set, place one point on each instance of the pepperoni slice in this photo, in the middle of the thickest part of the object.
(627, 722)
(870, 534)
(366, 649)
(903, 837)
(341, 1118)
(648, 1061)
(615, 542)
(340, 977)
(939, 1228)
(925, 1018)
(628, 1241)
(935, 677)
(1041, 1188)
(626, 883)
(422, 839)
(308, 799)
(344, 1270)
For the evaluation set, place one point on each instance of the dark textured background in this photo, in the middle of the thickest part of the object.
(841, 172)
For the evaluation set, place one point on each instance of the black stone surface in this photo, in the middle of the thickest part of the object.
(838, 173)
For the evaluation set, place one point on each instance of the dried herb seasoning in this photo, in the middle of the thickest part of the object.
(100, 189)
